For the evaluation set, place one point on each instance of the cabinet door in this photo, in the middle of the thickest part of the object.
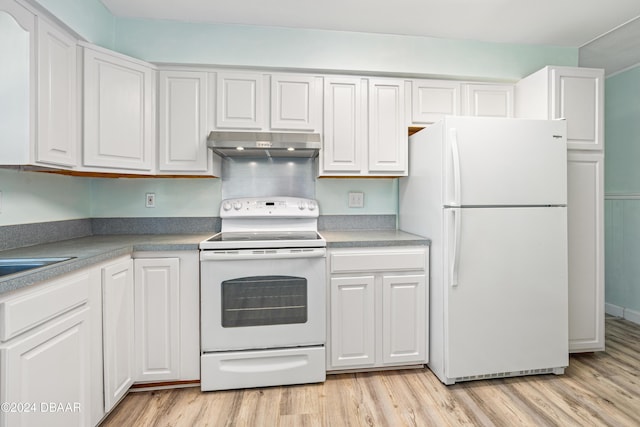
(118, 112)
(157, 319)
(344, 132)
(404, 319)
(183, 121)
(579, 98)
(45, 368)
(388, 138)
(56, 97)
(239, 101)
(431, 100)
(484, 100)
(352, 314)
(294, 102)
(585, 210)
(118, 331)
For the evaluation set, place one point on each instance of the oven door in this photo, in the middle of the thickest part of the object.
(266, 298)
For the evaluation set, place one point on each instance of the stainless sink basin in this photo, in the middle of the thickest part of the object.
(17, 265)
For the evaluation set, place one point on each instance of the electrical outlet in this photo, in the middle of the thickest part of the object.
(150, 200)
(0, 201)
(356, 199)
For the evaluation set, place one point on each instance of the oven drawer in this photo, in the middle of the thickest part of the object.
(243, 369)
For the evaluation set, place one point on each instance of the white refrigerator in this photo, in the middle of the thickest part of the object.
(491, 195)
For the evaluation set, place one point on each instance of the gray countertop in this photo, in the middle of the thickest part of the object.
(371, 238)
(87, 251)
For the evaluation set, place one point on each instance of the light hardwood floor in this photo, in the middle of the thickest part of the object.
(597, 389)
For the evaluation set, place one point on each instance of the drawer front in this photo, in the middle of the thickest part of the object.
(383, 260)
(25, 312)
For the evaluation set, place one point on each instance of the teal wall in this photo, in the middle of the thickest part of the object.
(622, 188)
(236, 45)
(242, 45)
(29, 197)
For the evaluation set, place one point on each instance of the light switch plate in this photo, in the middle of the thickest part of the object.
(356, 199)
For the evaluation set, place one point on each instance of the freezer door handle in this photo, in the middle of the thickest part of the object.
(455, 264)
(455, 158)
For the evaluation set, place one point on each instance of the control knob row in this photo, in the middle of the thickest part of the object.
(228, 205)
(311, 205)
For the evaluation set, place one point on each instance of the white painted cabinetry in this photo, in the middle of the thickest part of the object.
(183, 128)
(365, 130)
(344, 134)
(45, 354)
(576, 94)
(118, 330)
(57, 83)
(571, 93)
(431, 100)
(488, 100)
(240, 99)
(378, 312)
(39, 81)
(388, 140)
(167, 322)
(119, 112)
(585, 211)
(296, 101)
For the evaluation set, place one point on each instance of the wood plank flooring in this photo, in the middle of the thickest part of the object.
(598, 389)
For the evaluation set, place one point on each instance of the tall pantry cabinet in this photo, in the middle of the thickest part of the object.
(577, 95)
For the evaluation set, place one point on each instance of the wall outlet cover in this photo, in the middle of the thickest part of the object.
(356, 199)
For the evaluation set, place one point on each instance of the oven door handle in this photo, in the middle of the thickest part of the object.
(231, 255)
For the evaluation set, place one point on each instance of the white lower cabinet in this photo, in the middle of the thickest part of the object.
(117, 330)
(585, 211)
(45, 366)
(167, 340)
(378, 312)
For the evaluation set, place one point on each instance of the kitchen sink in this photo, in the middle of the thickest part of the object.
(16, 265)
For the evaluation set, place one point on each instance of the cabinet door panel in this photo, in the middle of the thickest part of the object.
(239, 101)
(118, 327)
(56, 97)
(489, 100)
(431, 100)
(51, 365)
(586, 257)
(352, 322)
(388, 138)
(404, 324)
(183, 121)
(157, 319)
(119, 124)
(343, 125)
(294, 102)
(580, 99)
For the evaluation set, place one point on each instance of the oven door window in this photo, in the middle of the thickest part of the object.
(264, 300)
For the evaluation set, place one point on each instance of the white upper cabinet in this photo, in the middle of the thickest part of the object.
(488, 100)
(344, 133)
(57, 83)
(38, 84)
(119, 124)
(431, 100)
(240, 100)
(388, 140)
(572, 93)
(295, 102)
(183, 122)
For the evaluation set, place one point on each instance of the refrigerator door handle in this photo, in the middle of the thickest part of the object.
(455, 264)
(455, 157)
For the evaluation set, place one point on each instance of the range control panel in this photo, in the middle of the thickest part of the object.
(260, 207)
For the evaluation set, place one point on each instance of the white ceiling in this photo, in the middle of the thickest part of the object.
(570, 23)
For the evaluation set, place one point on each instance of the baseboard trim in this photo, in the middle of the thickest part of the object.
(625, 313)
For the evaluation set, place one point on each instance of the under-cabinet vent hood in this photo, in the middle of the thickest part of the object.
(264, 144)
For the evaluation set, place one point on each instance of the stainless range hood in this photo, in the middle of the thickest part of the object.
(264, 144)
